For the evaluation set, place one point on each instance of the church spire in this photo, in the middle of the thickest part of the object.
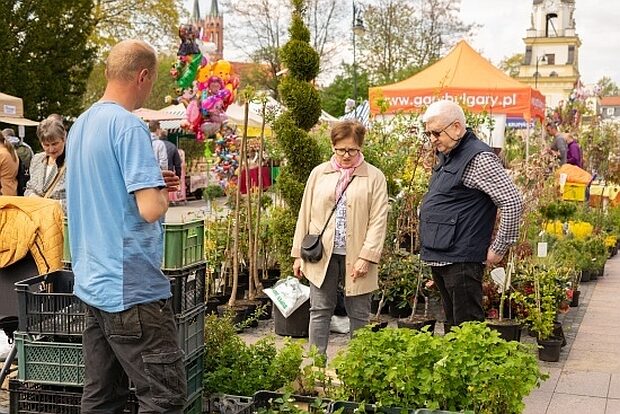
(196, 12)
(215, 9)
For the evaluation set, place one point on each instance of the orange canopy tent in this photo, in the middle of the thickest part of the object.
(465, 76)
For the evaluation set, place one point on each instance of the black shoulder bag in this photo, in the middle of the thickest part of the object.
(311, 245)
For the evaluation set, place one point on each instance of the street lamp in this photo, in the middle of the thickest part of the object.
(539, 59)
(358, 30)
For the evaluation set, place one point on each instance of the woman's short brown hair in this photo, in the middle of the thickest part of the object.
(346, 129)
(50, 130)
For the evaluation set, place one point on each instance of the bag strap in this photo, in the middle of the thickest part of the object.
(59, 175)
(335, 206)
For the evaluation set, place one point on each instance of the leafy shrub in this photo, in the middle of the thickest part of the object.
(471, 368)
(233, 367)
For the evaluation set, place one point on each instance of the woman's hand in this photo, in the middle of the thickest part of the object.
(360, 269)
(297, 268)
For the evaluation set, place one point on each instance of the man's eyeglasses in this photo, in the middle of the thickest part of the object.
(436, 134)
(351, 151)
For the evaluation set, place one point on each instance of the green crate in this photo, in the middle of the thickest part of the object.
(183, 244)
(194, 370)
(194, 406)
(61, 363)
(66, 249)
(49, 362)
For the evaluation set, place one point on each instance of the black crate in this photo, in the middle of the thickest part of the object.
(267, 399)
(47, 305)
(194, 371)
(187, 287)
(229, 404)
(28, 398)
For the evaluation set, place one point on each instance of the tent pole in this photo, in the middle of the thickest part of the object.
(527, 143)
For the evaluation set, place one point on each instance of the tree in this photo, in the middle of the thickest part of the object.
(155, 21)
(46, 58)
(291, 128)
(261, 25)
(511, 64)
(607, 87)
(333, 97)
(404, 36)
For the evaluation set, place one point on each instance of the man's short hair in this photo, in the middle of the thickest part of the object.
(445, 110)
(552, 124)
(129, 57)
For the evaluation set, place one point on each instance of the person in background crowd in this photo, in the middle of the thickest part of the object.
(159, 148)
(117, 196)
(353, 239)
(574, 155)
(47, 169)
(23, 150)
(9, 165)
(172, 153)
(457, 214)
(558, 146)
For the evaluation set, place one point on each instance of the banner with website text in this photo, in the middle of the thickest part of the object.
(526, 102)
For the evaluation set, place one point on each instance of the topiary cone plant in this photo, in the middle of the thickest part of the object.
(303, 109)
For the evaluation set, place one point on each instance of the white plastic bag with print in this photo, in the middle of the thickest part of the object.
(288, 295)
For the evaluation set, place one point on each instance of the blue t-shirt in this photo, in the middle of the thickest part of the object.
(116, 255)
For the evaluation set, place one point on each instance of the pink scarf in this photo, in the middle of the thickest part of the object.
(345, 173)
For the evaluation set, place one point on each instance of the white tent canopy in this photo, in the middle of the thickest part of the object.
(12, 111)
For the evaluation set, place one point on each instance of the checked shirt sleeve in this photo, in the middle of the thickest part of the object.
(485, 173)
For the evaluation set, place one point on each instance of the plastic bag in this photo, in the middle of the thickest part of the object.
(288, 295)
(340, 324)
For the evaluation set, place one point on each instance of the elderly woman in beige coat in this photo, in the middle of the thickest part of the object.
(353, 239)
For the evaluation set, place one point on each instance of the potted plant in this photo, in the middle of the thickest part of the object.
(423, 283)
(508, 328)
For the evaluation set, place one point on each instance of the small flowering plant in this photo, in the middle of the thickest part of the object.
(541, 292)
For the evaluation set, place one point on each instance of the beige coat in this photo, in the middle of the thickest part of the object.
(367, 210)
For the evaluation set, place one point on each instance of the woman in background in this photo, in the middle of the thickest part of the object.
(9, 164)
(47, 169)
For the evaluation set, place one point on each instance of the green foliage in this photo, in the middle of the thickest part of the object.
(334, 95)
(282, 229)
(558, 210)
(46, 57)
(298, 29)
(213, 191)
(608, 87)
(300, 59)
(470, 368)
(233, 367)
(286, 403)
(302, 100)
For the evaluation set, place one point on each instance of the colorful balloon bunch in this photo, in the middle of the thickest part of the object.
(205, 88)
(226, 156)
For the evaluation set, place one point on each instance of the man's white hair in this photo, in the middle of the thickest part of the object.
(446, 111)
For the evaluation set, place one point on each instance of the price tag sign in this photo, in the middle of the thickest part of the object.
(499, 277)
(542, 249)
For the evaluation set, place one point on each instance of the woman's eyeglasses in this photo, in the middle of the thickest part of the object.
(351, 151)
(436, 134)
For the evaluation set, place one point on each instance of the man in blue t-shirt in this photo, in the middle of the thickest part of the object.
(116, 199)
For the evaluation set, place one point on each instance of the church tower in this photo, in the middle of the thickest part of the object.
(213, 30)
(551, 62)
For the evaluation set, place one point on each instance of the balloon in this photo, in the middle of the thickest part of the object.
(188, 34)
(223, 69)
(189, 72)
(210, 128)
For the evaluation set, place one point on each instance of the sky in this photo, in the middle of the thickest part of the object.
(504, 23)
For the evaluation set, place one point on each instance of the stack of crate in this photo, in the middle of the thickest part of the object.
(51, 321)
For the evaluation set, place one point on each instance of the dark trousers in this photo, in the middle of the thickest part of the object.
(460, 287)
(138, 345)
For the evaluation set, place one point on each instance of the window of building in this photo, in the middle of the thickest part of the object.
(610, 111)
(553, 74)
(527, 59)
(550, 58)
(571, 55)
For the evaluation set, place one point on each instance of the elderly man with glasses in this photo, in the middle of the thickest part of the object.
(458, 213)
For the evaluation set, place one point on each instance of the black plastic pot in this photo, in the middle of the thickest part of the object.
(550, 349)
(575, 300)
(585, 275)
(296, 325)
(558, 332)
(509, 330)
(397, 311)
(417, 324)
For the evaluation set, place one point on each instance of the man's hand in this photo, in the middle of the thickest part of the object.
(493, 258)
(297, 268)
(360, 269)
(171, 180)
